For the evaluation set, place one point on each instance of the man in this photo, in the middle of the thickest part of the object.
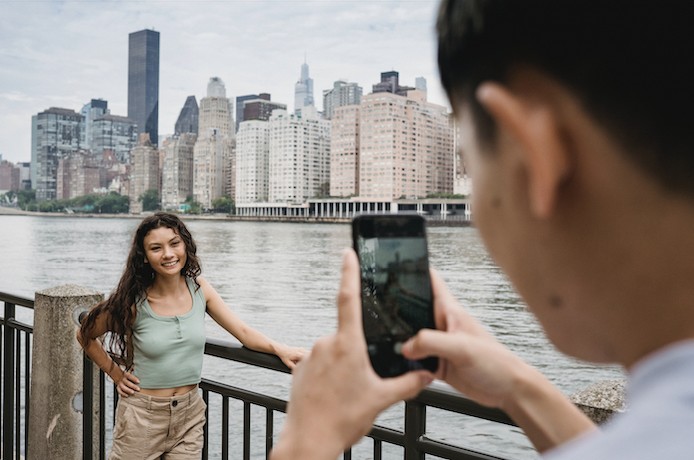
(576, 119)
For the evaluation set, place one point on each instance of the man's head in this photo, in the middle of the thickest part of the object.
(575, 117)
(628, 61)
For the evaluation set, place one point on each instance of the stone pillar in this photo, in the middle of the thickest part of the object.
(601, 400)
(55, 418)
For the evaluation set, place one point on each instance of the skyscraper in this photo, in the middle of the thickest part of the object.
(177, 170)
(391, 147)
(143, 82)
(343, 93)
(144, 174)
(299, 163)
(390, 83)
(213, 157)
(303, 90)
(90, 112)
(187, 121)
(55, 133)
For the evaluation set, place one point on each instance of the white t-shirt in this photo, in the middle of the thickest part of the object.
(659, 421)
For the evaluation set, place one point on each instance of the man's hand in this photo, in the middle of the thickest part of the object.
(336, 395)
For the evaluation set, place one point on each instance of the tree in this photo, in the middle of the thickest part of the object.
(150, 200)
(113, 203)
(25, 198)
(194, 207)
(223, 204)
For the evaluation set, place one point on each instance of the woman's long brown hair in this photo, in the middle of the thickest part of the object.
(120, 307)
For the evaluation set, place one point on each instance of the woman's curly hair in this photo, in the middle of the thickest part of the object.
(138, 276)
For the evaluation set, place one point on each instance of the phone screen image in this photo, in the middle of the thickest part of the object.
(396, 288)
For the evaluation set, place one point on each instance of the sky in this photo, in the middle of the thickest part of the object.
(65, 53)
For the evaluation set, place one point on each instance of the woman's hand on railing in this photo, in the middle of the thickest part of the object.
(290, 356)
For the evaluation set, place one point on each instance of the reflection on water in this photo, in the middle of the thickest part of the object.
(282, 278)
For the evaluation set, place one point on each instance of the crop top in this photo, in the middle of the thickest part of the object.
(168, 350)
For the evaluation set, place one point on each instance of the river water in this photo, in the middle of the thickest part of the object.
(282, 279)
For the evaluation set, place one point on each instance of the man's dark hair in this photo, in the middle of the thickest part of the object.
(629, 62)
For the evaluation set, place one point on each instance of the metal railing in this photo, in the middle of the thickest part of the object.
(15, 362)
(412, 439)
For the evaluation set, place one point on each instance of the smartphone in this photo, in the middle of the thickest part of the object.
(396, 295)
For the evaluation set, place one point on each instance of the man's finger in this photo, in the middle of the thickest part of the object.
(428, 343)
(403, 387)
(349, 296)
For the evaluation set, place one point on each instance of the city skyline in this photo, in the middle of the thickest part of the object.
(86, 57)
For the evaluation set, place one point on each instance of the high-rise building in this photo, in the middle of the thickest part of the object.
(260, 108)
(303, 90)
(187, 121)
(252, 161)
(78, 175)
(343, 93)
(55, 133)
(116, 134)
(344, 152)
(240, 100)
(420, 83)
(143, 82)
(299, 156)
(213, 158)
(177, 170)
(144, 172)
(9, 177)
(404, 147)
(94, 109)
(390, 83)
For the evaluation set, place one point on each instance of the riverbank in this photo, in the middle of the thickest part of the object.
(8, 211)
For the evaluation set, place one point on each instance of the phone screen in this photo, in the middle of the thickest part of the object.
(396, 288)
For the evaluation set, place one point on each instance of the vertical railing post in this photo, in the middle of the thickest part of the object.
(8, 349)
(415, 427)
(57, 397)
(87, 412)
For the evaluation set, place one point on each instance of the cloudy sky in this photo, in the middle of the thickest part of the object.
(64, 53)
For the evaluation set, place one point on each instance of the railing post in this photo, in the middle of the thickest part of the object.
(8, 349)
(415, 427)
(57, 400)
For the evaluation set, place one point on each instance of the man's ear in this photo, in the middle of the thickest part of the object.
(534, 127)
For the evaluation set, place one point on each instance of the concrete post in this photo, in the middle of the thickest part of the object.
(55, 418)
(601, 400)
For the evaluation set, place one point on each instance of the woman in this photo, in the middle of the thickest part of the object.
(156, 322)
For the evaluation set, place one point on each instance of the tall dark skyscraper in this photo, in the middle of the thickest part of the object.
(188, 118)
(143, 82)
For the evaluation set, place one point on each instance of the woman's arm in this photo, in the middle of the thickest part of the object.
(126, 382)
(249, 337)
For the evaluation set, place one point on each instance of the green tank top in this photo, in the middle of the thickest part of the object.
(168, 350)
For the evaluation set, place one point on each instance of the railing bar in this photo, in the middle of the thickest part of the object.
(102, 415)
(269, 430)
(378, 449)
(27, 392)
(2, 398)
(448, 451)
(87, 407)
(18, 393)
(246, 430)
(225, 428)
(205, 431)
(24, 327)
(8, 382)
(16, 300)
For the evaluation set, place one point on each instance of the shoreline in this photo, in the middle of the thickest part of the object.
(7, 211)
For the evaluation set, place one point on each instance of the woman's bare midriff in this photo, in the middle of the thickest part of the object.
(167, 392)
